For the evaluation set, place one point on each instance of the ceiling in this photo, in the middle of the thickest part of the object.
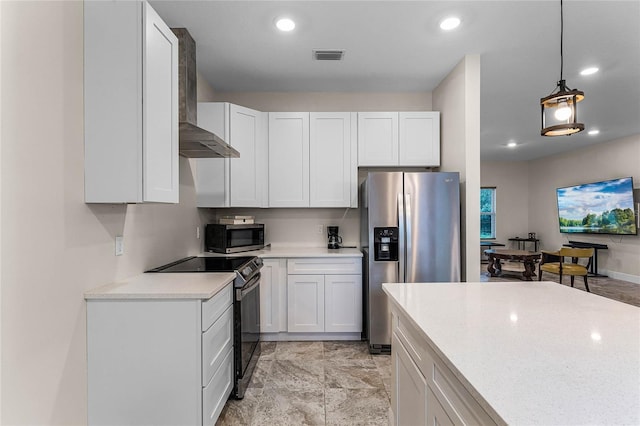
(397, 46)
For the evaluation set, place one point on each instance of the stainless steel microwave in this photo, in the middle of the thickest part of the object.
(219, 238)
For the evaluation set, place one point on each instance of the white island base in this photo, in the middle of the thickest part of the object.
(512, 353)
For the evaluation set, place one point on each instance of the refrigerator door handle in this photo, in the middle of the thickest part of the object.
(401, 242)
(409, 273)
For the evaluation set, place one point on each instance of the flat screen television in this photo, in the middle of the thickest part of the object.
(598, 208)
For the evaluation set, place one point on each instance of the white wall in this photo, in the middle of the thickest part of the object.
(457, 97)
(511, 179)
(328, 101)
(618, 158)
(55, 247)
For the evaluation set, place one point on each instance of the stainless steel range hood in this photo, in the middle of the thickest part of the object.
(195, 142)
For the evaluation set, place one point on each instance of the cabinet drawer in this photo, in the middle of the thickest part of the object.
(217, 391)
(340, 265)
(214, 307)
(216, 342)
(436, 414)
(458, 403)
(416, 347)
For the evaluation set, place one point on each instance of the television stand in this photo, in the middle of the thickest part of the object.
(593, 271)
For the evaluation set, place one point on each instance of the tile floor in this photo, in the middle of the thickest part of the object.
(314, 383)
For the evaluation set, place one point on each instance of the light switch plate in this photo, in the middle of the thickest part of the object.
(119, 245)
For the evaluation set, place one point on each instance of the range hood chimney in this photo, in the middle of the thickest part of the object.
(195, 142)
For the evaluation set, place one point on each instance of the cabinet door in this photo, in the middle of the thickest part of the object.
(212, 179)
(377, 139)
(305, 303)
(409, 403)
(330, 159)
(289, 159)
(130, 105)
(419, 138)
(248, 173)
(160, 110)
(272, 287)
(343, 303)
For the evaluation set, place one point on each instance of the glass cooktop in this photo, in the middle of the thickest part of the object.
(205, 264)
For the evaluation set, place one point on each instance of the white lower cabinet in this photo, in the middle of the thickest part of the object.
(159, 361)
(425, 391)
(342, 303)
(324, 295)
(273, 296)
(410, 388)
(311, 299)
(305, 303)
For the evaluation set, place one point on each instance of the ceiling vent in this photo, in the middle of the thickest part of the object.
(328, 54)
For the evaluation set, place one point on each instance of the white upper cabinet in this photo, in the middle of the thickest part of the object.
(312, 159)
(399, 139)
(419, 139)
(288, 159)
(332, 167)
(377, 139)
(130, 104)
(233, 182)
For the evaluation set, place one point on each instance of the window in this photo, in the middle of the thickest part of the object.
(487, 213)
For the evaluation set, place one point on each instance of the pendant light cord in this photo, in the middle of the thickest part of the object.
(561, 38)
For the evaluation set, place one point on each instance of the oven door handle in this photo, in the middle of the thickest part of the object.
(248, 288)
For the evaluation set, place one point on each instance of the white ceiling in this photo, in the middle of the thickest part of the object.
(397, 46)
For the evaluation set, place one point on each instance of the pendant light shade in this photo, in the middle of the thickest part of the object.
(559, 110)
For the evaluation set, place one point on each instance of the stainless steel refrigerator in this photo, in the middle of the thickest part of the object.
(410, 232)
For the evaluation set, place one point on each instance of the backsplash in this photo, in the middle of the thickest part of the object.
(297, 227)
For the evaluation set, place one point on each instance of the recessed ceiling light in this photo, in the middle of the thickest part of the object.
(593, 132)
(285, 24)
(450, 23)
(512, 144)
(589, 71)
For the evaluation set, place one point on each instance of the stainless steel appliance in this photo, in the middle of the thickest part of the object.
(246, 308)
(223, 238)
(410, 232)
(334, 241)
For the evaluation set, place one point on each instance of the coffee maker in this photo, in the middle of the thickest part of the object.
(334, 240)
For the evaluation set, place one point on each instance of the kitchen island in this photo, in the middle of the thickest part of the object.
(513, 353)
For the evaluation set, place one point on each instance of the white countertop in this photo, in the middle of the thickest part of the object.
(537, 352)
(200, 285)
(164, 286)
(292, 251)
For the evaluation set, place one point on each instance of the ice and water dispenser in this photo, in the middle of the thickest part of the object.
(385, 244)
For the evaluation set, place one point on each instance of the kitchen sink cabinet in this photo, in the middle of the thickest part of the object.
(324, 295)
(130, 104)
(233, 182)
(409, 139)
(159, 361)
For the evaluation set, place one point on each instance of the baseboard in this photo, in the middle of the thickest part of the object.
(292, 337)
(635, 279)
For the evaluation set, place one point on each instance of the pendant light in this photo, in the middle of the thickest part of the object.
(559, 110)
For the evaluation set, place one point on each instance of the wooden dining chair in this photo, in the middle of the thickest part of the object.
(561, 267)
